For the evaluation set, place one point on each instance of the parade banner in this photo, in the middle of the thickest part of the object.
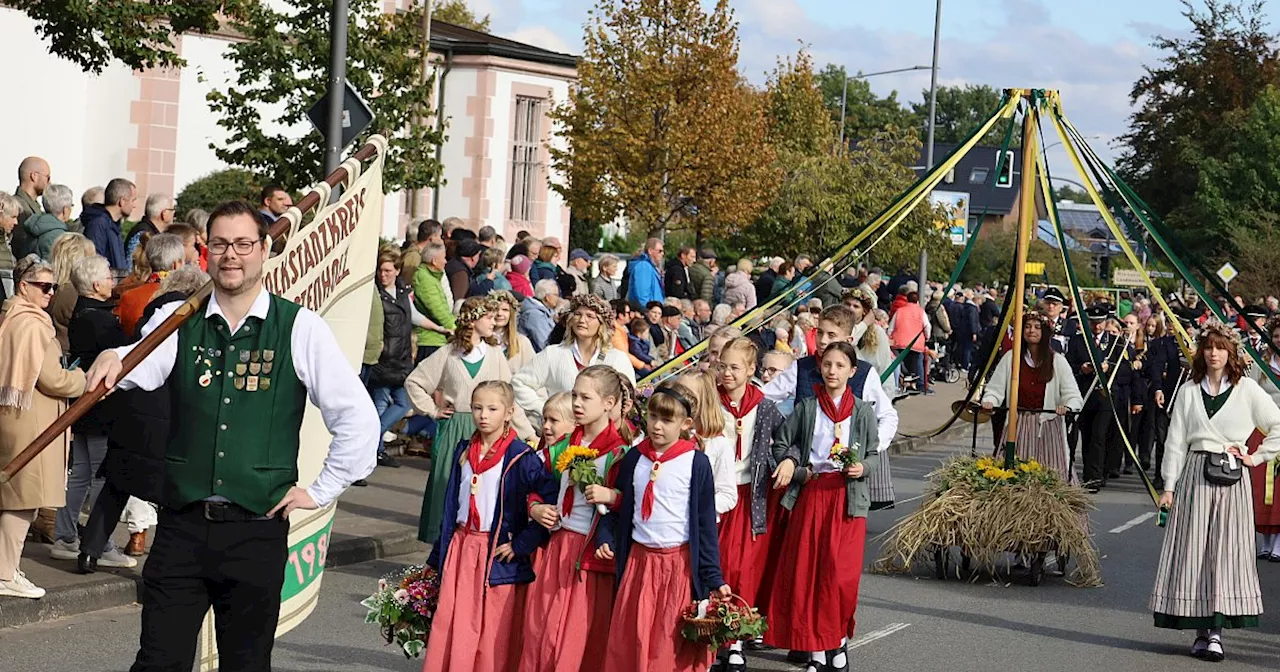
(326, 266)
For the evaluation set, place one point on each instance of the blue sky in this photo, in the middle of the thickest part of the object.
(1091, 50)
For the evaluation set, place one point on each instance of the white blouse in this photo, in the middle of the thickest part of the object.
(581, 515)
(490, 482)
(824, 432)
(668, 525)
(742, 467)
(719, 450)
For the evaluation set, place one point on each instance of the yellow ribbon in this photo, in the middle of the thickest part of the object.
(1271, 481)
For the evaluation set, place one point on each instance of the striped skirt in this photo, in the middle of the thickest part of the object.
(880, 484)
(1043, 438)
(1207, 566)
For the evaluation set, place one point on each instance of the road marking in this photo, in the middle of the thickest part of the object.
(912, 499)
(1135, 522)
(877, 634)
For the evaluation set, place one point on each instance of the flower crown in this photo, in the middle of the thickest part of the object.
(595, 304)
(1216, 327)
(473, 309)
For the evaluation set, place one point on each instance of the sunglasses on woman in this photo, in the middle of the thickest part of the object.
(46, 287)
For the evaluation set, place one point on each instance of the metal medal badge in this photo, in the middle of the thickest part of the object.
(251, 384)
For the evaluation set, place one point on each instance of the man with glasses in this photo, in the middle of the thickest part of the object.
(156, 218)
(241, 370)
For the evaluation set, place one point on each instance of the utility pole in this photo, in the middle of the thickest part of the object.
(337, 87)
(933, 86)
(844, 101)
(416, 195)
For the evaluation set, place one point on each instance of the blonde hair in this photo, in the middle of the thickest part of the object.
(745, 346)
(604, 333)
(560, 403)
(708, 419)
(745, 265)
(502, 387)
(511, 339)
(69, 248)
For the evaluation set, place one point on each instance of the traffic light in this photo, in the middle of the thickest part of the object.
(1104, 267)
(1004, 178)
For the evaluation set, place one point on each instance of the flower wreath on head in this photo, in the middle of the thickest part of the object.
(856, 294)
(595, 304)
(1213, 326)
(503, 296)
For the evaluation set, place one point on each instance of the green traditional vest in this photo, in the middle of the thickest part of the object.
(237, 411)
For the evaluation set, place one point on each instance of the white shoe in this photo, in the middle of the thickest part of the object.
(388, 436)
(62, 550)
(21, 586)
(114, 558)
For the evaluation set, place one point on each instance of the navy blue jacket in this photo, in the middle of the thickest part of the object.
(104, 232)
(807, 375)
(523, 474)
(704, 542)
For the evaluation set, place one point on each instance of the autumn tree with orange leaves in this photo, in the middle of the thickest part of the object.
(661, 129)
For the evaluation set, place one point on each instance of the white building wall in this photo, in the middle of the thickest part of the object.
(460, 123)
(197, 126)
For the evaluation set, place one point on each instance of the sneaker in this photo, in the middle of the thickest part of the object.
(388, 437)
(114, 558)
(21, 586)
(65, 550)
(385, 460)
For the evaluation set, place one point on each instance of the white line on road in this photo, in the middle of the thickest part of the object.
(912, 499)
(877, 634)
(1135, 522)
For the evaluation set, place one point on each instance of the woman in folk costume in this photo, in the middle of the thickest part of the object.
(588, 340)
(515, 344)
(1047, 391)
(446, 379)
(1266, 505)
(483, 549)
(1207, 578)
(661, 531)
(709, 426)
(749, 538)
(568, 609)
(815, 593)
(34, 389)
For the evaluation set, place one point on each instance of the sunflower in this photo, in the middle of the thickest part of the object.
(573, 453)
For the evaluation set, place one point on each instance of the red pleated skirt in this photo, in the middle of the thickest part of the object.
(1266, 517)
(657, 585)
(745, 559)
(567, 611)
(475, 629)
(815, 592)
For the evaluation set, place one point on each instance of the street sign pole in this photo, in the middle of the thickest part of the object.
(337, 84)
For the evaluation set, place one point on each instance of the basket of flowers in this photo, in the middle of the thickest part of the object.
(404, 606)
(718, 621)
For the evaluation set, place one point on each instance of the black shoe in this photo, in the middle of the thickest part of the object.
(1113, 474)
(719, 665)
(831, 655)
(1215, 652)
(86, 564)
(360, 483)
(1274, 558)
(385, 460)
(757, 645)
(731, 666)
(813, 666)
(798, 656)
(1128, 471)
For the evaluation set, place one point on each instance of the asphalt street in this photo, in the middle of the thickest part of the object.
(905, 623)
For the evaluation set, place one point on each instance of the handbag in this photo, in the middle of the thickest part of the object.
(1223, 469)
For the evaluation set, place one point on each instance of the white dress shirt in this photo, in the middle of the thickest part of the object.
(486, 499)
(332, 386)
(582, 514)
(741, 467)
(668, 525)
(719, 450)
(886, 414)
(824, 432)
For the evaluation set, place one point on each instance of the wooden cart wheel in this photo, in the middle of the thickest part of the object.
(940, 556)
(1037, 569)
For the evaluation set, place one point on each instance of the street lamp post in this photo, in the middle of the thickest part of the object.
(933, 85)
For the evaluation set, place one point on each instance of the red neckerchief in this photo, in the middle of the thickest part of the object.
(836, 415)
(739, 410)
(480, 463)
(646, 448)
(607, 441)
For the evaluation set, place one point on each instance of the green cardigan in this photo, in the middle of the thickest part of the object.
(794, 440)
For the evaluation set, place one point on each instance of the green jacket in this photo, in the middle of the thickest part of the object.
(702, 282)
(42, 230)
(429, 299)
(373, 339)
(794, 441)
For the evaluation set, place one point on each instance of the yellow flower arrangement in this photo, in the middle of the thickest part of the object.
(998, 474)
(985, 463)
(572, 453)
(1030, 467)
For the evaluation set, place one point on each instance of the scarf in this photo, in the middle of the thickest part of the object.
(481, 462)
(739, 410)
(646, 448)
(25, 333)
(829, 409)
(608, 442)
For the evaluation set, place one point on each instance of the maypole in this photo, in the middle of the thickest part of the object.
(1026, 222)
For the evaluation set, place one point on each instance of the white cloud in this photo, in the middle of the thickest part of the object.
(540, 36)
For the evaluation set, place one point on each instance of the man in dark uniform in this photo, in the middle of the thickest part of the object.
(241, 371)
(1063, 326)
(1095, 420)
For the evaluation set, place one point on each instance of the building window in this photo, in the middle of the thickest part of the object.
(525, 169)
(978, 176)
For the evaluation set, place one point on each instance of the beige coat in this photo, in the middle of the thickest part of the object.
(445, 372)
(43, 482)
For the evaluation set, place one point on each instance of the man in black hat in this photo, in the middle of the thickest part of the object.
(1063, 327)
(1257, 317)
(460, 268)
(1095, 423)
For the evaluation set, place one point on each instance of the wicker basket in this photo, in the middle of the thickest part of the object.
(706, 627)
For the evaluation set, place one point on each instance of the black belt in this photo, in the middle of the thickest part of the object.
(223, 512)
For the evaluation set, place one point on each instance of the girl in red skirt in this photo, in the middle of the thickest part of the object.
(748, 538)
(566, 626)
(483, 550)
(1265, 477)
(815, 593)
(662, 535)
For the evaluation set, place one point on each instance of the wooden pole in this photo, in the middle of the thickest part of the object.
(156, 337)
(1026, 222)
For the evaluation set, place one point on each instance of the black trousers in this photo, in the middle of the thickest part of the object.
(1095, 432)
(235, 567)
(1155, 427)
(1117, 456)
(103, 518)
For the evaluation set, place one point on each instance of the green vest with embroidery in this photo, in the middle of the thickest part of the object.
(237, 411)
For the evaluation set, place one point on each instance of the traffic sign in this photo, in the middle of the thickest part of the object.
(1227, 273)
(356, 115)
(1034, 268)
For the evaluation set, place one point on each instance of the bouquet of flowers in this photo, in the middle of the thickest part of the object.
(845, 456)
(404, 606)
(579, 463)
(717, 622)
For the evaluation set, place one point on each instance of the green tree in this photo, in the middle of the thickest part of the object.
(992, 261)
(1190, 105)
(661, 129)
(284, 72)
(459, 14)
(865, 113)
(1069, 193)
(960, 111)
(216, 187)
(1242, 183)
